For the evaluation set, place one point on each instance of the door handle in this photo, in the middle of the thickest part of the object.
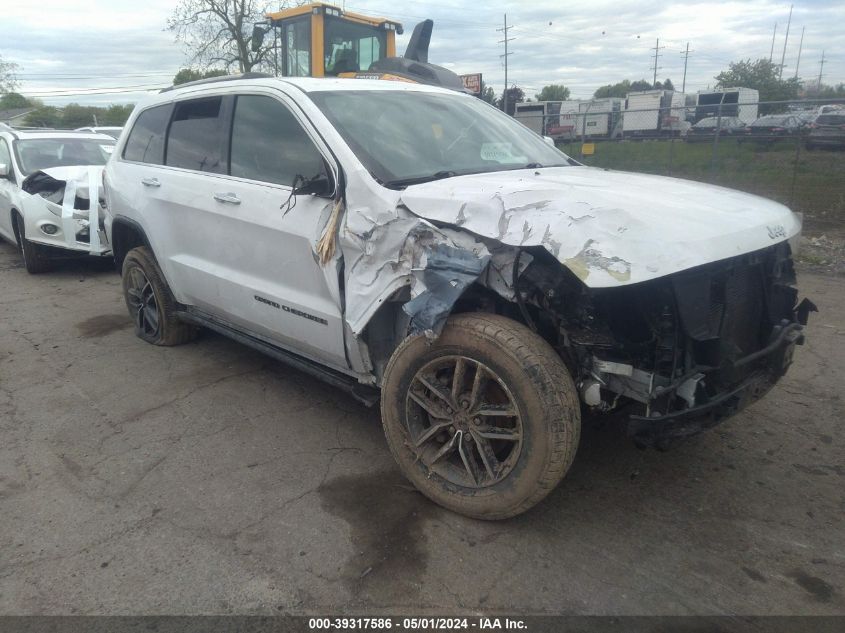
(228, 198)
(150, 182)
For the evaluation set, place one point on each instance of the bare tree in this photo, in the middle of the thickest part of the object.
(8, 81)
(219, 32)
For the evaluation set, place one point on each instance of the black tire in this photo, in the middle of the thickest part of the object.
(34, 259)
(150, 302)
(538, 388)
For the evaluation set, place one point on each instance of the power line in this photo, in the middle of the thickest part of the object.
(772, 50)
(95, 91)
(505, 41)
(785, 40)
(686, 59)
(657, 55)
(800, 46)
(821, 68)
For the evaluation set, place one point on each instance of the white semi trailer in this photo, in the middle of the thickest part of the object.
(655, 113)
(734, 102)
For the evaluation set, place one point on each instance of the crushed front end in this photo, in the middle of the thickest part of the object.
(685, 351)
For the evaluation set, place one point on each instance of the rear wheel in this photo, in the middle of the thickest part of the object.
(485, 421)
(34, 259)
(150, 302)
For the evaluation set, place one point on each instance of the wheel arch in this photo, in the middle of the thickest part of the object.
(126, 234)
(16, 214)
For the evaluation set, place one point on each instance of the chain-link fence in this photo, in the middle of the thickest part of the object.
(790, 151)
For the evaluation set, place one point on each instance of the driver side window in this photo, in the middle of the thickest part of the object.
(269, 144)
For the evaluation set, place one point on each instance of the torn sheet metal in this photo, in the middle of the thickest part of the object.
(387, 248)
(609, 228)
(446, 272)
(66, 192)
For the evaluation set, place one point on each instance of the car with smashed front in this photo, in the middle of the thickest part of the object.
(48, 179)
(422, 249)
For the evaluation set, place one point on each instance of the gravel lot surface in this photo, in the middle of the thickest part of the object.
(208, 478)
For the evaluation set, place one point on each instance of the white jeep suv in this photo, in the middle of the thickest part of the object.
(416, 246)
(46, 182)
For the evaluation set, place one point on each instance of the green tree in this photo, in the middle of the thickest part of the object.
(554, 92)
(44, 116)
(189, 74)
(219, 32)
(487, 94)
(8, 80)
(115, 115)
(515, 95)
(764, 77)
(826, 92)
(75, 115)
(665, 85)
(13, 100)
(622, 88)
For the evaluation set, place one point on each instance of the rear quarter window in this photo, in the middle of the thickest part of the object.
(198, 135)
(146, 140)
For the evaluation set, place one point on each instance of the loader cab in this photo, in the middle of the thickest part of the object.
(322, 40)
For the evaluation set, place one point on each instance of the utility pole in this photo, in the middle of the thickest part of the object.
(657, 54)
(772, 51)
(505, 41)
(686, 58)
(821, 68)
(800, 46)
(785, 40)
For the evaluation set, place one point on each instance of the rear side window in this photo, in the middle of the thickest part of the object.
(146, 140)
(198, 136)
(831, 119)
(269, 144)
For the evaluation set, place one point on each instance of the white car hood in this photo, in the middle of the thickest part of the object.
(609, 228)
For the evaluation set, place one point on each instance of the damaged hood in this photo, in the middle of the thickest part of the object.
(609, 228)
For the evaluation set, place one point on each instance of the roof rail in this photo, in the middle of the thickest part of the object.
(214, 80)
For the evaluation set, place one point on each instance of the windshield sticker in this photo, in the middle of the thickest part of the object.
(500, 152)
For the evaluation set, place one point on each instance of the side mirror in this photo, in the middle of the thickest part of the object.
(319, 185)
(4, 170)
(549, 140)
(257, 40)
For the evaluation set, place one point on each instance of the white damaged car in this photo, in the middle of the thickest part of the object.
(46, 180)
(422, 249)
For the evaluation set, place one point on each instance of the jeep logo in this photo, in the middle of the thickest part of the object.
(776, 231)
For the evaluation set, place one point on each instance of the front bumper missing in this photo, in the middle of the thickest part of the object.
(773, 361)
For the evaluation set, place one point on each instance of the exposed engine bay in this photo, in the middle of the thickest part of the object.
(688, 349)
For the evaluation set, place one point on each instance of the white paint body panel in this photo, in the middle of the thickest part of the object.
(650, 226)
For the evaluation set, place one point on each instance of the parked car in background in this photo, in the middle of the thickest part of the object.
(828, 130)
(418, 247)
(771, 127)
(113, 131)
(47, 181)
(707, 128)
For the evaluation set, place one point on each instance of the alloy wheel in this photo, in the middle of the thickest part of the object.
(463, 422)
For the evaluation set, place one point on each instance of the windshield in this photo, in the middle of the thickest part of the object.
(351, 47)
(771, 120)
(35, 154)
(406, 137)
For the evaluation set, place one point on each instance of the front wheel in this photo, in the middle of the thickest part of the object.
(150, 302)
(485, 421)
(34, 258)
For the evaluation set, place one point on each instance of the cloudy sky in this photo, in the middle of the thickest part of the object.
(110, 51)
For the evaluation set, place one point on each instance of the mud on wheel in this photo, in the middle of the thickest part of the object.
(150, 302)
(485, 421)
